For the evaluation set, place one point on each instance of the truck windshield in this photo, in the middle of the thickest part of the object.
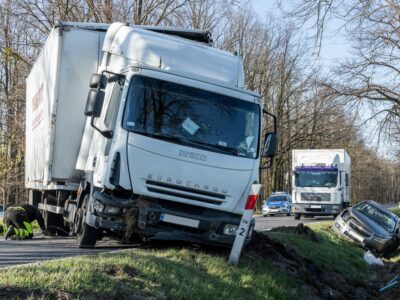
(192, 117)
(316, 178)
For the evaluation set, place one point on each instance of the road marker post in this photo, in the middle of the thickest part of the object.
(244, 225)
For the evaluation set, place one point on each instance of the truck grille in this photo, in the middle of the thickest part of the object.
(315, 197)
(184, 192)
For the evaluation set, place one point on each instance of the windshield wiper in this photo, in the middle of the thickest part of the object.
(184, 141)
(217, 147)
(161, 136)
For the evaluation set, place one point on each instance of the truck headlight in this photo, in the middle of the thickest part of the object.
(335, 207)
(230, 229)
(98, 206)
(112, 210)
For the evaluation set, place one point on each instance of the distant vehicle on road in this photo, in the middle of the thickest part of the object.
(277, 203)
(321, 182)
(371, 225)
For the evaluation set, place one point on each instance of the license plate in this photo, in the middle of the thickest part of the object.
(315, 206)
(179, 220)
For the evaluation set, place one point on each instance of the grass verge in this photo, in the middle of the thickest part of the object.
(163, 274)
(396, 210)
(330, 253)
(184, 273)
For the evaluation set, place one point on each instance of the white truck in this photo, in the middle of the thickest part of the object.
(320, 182)
(165, 145)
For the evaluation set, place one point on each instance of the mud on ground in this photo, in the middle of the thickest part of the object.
(317, 283)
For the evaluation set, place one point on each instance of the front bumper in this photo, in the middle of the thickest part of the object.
(275, 211)
(156, 219)
(315, 209)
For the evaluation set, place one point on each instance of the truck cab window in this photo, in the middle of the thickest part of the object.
(316, 177)
(192, 117)
(112, 110)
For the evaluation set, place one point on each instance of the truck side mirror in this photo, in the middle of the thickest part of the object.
(94, 103)
(270, 145)
(98, 81)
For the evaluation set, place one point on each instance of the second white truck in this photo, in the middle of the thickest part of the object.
(320, 182)
(166, 145)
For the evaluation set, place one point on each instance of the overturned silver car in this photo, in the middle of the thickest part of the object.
(371, 225)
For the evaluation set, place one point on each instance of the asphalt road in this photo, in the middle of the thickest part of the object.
(45, 248)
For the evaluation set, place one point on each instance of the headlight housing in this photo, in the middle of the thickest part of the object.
(98, 206)
(230, 229)
(112, 210)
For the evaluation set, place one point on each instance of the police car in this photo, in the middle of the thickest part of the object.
(277, 203)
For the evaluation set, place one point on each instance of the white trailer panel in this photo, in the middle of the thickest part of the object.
(55, 99)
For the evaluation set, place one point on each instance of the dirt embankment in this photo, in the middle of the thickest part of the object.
(318, 283)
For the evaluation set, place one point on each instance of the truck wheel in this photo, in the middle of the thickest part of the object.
(55, 224)
(297, 216)
(50, 219)
(86, 234)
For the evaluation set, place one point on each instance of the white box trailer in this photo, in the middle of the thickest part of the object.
(92, 161)
(321, 181)
(55, 100)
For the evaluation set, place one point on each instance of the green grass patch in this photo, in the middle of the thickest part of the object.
(163, 274)
(332, 252)
(396, 210)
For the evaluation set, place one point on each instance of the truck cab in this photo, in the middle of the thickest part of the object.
(321, 182)
(171, 142)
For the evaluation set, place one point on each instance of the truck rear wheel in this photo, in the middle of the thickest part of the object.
(86, 234)
(297, 216)
(55, 224)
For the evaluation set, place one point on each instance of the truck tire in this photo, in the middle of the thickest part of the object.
(54, 222)
(86, 234)
(297, 216)
(50, 219)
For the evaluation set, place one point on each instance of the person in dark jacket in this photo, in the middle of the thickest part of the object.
(18, 220)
